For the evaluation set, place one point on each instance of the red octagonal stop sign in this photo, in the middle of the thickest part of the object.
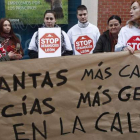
(134, 42)
(84, 44)
(49, 43)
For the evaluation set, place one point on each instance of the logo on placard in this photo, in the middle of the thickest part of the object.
(49, 43)
(84, 44)
(134, 42)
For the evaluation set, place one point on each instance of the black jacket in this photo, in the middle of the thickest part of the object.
(103, 43)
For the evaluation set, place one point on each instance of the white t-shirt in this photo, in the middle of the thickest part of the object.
(32, 45)
(128, 36)
(84, 39)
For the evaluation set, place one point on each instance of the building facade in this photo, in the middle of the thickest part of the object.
(101, 10)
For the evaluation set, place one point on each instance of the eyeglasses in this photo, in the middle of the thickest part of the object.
(49, 18)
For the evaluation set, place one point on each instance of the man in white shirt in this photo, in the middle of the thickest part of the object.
(84, 35)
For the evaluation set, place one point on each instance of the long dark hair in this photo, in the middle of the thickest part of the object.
(115, 17)
(12, 34)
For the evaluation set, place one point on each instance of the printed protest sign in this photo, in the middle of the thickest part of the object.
(83, 44)
(49, 42)
(77, 97)
(134, 42)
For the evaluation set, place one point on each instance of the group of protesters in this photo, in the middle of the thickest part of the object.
(114, 39)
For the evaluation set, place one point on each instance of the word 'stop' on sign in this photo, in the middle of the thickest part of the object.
(49, 43)
(134, 42)
(84, 44)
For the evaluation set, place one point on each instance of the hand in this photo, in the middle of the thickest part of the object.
(14, 56)
(129, 48)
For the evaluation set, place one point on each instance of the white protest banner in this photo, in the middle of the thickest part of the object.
(86, 97)
(49, 42)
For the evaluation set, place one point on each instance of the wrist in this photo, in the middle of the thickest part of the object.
(123, 48)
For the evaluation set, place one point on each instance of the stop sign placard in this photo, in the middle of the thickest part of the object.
(134, 42)
(84, 44)
(49, 42)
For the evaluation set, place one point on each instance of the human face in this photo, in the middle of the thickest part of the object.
(82, 16)
(135, 11)
(49, 20)
(6, 27)
(114, 26)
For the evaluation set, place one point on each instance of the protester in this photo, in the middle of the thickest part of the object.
(9, 42)
(49, 22)
(109, 38)
(129, 35)
(84, 29)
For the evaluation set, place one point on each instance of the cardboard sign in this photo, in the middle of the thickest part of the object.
(134, 42)
(86, 97)
(83, 44)
(49, 42)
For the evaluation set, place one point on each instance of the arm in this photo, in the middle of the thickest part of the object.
(10, 56)
(121, 41)
(68, 47)
(69, 33)
(99, 46)
(128, 48)
(33, 48)
(3, 54)
(4, 58)
(98, 35)
(14, 56)
(32, 54)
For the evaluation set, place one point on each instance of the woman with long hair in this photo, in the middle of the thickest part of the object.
(8, 41)
(129, 36)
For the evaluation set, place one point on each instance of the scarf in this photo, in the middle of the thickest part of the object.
(5, 36)
(113, 42)
(83, 25)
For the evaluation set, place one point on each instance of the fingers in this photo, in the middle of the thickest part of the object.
(14, 56)
(129, 48)
(18, 56)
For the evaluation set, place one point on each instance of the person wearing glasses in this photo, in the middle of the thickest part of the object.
(50, 22)
(84, 35)
(109, 38)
